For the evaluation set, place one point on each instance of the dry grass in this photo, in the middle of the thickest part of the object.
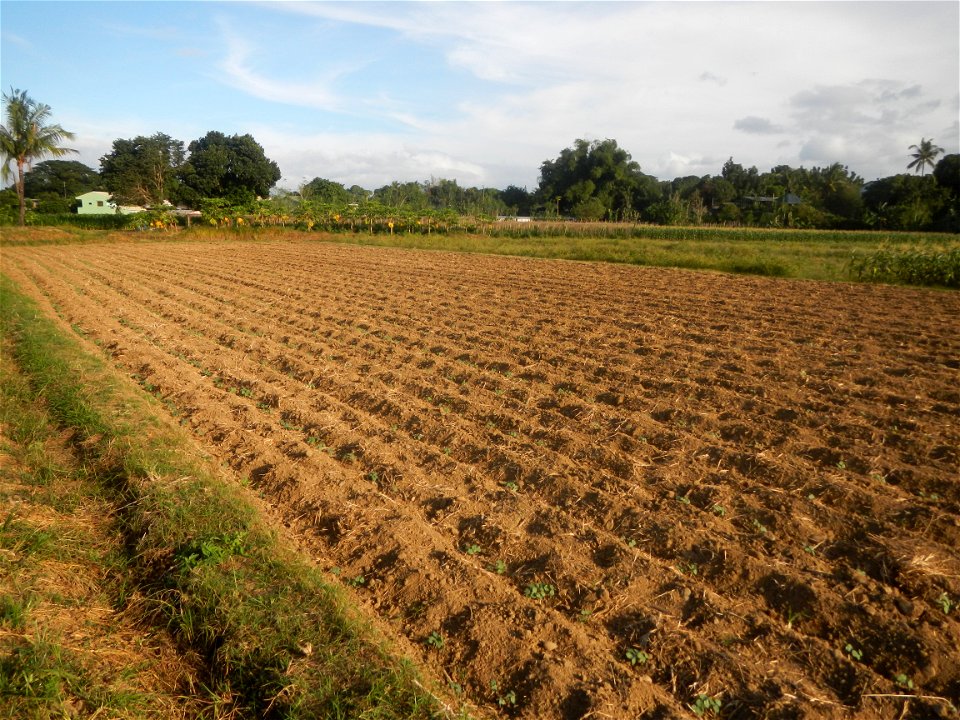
(70, 648)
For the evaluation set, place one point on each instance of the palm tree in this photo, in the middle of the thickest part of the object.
(26, 137)
(925, 155)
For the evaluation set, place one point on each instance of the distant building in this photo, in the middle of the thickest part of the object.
(98, 202)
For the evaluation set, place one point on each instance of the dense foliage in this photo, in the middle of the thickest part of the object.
(596, 181)
(143, 171)
(232, 167)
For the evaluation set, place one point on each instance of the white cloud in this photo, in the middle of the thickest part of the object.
(559, 71)
(237, 71)
(370, 161)
(485, 92)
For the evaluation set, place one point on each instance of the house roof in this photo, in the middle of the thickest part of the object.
(98, 194)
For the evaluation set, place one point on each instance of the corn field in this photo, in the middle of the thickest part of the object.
(912, 267)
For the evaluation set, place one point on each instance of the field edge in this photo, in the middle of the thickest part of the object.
(277, 639)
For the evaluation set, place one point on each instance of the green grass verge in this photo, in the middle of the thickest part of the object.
(71, 643)
(277, 640)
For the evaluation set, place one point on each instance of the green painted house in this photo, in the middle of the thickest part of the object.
(98, 202)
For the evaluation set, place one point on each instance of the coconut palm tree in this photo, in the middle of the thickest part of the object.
(26, 137)
(926, 153)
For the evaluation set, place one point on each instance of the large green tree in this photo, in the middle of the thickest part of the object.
(744, 181)
(64, 178)
(325, 191)
(517, 200)
(947, 176)
(143, 171)
(903, 202)
(408, 195)
(443, 194)
(26, 136)
(591, 175)
(233, 167)
(924, 154)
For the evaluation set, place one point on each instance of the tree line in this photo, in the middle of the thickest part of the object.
(594, 181)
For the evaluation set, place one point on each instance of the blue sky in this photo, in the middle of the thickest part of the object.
(483, 92)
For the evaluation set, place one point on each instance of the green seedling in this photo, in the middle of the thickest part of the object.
(499, 567)
(435, 640)
(511, 486)
(759, 527)
(683, 500)
(945, 603)
(540, 591)
(508, 699)
(472, 549)
(719, 510)
(636, 656)
(903, 681)
(705, 705)
(853, 652)
(358, 581)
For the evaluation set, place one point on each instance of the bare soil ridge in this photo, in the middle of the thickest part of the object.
(577, 489)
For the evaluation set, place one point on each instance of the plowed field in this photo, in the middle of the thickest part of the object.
(576, 490)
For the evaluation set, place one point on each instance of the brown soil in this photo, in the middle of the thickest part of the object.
(751, 485)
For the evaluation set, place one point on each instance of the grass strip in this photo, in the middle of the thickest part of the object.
(72, 642)
(277, 640)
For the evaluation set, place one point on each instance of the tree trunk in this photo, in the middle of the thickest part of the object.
(23, 200)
